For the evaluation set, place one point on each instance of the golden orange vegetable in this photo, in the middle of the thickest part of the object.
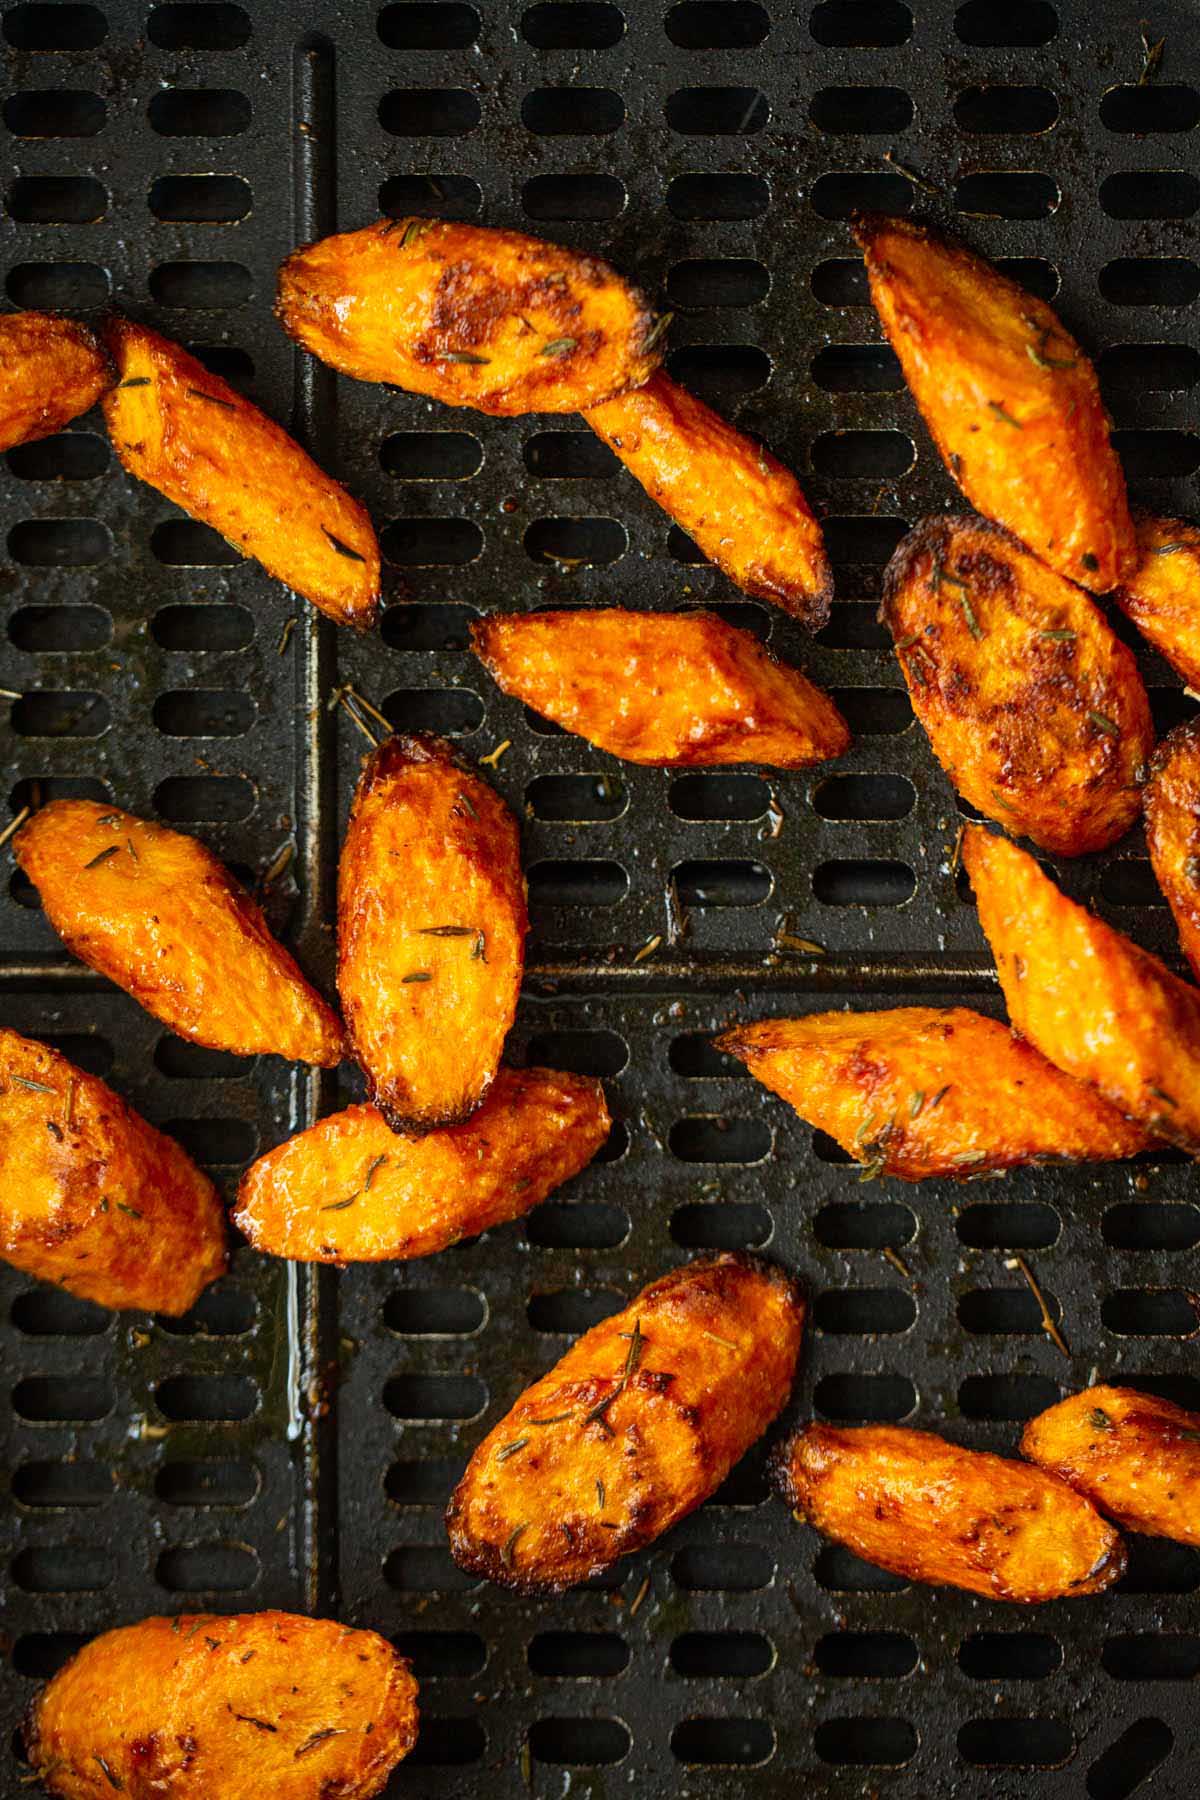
(919, 1091)
(350, 1190)
(1011, 400)
(212, 1706)
(732, 497)
(1173, 830)
(54, 369)
(637, 1425)
(470, 315)
(1034, 708)
(92, 1197)
(1102, 1008)
(912, 1503)
(431, 932)
(1162, 593)
(156, 912)
(1134, 1456)
(199, 442)
(674, 688)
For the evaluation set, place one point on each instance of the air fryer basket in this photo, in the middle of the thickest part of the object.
(292, 1442)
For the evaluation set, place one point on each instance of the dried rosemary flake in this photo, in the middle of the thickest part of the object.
(786, 940)
(1161, 1094)
(318, 1737)
(871, 1171)
(134, 381)
(133, 853)
(372, 1170)
(285, 636)
(1103, 723)
(648, 948)
(464, 800)
(102, 856)
(1048, 1325)
(863, 1129)
(1100, 1419)
(36, 1087)
(728, 1343)
(1152, 55)
(258, 1724)
(493, 756)
(916, 1103)
(635, 1603)
(908, 642)
(1168, 549)
(1059, 637)
(940, 1096)
(1000, 412)
(113, 1779)
(968, 612)
(656, 332)
(601, 1495)
(212, 399)
(129, 1211)
(462, 356)
(893, 162)
(479, 948)
(559, 347)
(343, 549)
(970, 1156)
(340, 1205)
(414, 229)
(14, 825)
(897, 1261)
(507, 1450)
(1038, 353)
(1005, 805)
(417, 975)
(506, 1553)
(445, 931)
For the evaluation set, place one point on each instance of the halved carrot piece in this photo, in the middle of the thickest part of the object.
(54, 369)
(93, 1197)
(157, 913)
(1011, 400)
(431, 932)
(1162, 594)
(470, 315)
(1100, 1007)
(919, 1091)
(733, 498)
(676, 688)
(1033, 706)
(199, 442)
(349, 1190)
(1135, 1456)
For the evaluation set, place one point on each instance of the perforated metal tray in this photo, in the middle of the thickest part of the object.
(293, 1442)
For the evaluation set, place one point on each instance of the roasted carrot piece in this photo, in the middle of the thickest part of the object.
(93, 1197)
(350, 1190)
(675, 688)
(1033, 707)
(732, 497)
(912, 1503)
(1162, 594)
(1100, 1007)
(431, 932)
(155, 911)
(1173, 830)
(199, 442)
(212, 1706)
(637, 1425)
(470, 315)
(1133, 1455)
(54, 369)
(919, 1091)
(1011, 400)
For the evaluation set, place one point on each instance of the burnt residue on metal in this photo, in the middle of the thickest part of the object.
(293, 1445)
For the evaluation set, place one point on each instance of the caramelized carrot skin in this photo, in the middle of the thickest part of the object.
(1011, 400)
(733, 498)
(1097, 1005)
(922, 1091)
(637, 1425)
(912, 1503)
(1033, 706)
(1173, 830)
(350, 1190)
(92, 1197)
(681, 689)
(470, 315)
(212, 1706)
(431, 932)
(54, 369)
(1162, 594)
(202, 444)
(156, 912)
(1133, 1455)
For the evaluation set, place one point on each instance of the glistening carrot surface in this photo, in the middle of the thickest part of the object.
(1162, 594)
(1173, 830)
(54, 369)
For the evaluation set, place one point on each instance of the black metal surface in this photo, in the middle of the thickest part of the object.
(715, 149)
